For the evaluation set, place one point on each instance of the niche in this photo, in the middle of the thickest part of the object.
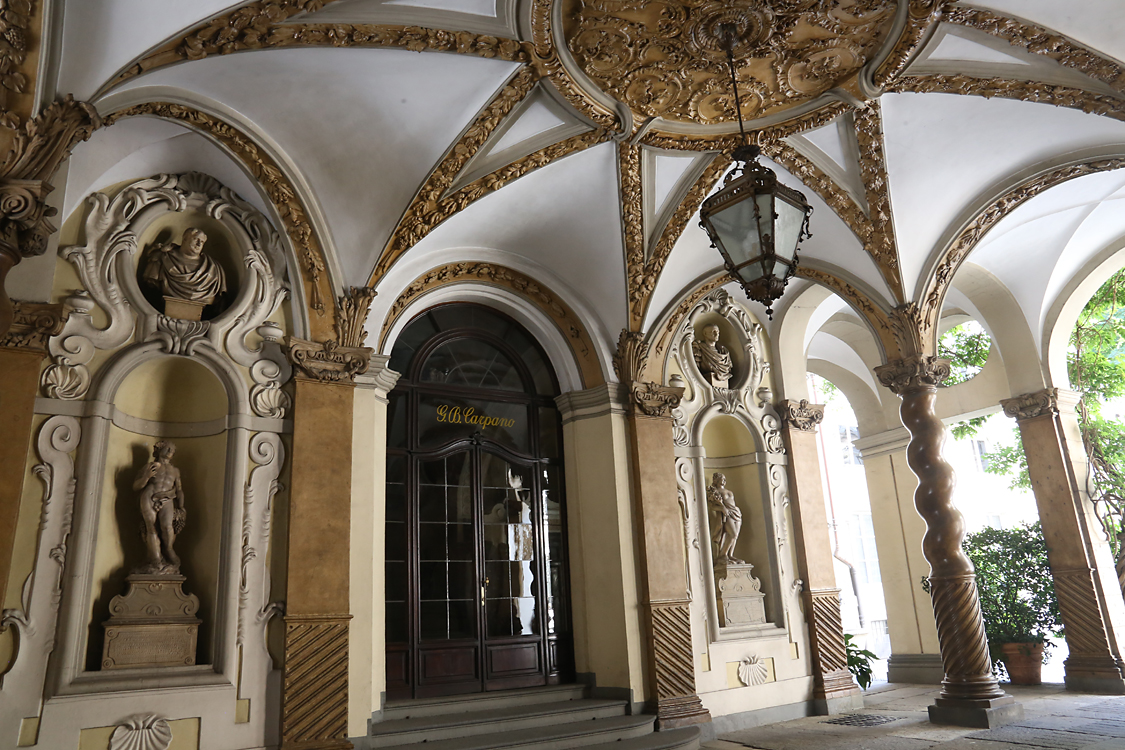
(179, 400)
(169, 228)
(729, 448)
(728, 339)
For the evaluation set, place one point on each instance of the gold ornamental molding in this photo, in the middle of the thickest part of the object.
(577, 337)
(1006, 88)
(880, 242)
(351, 315)
(19, 28)
(273, 180)
(421, 216)
(950, 259)
(666, 59)
(644, 268)
(876, 317)
(1039, 41)
(630, 360)
(33, 324)
(922, 19)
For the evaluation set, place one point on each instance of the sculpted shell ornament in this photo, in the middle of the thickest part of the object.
(142, 733)
(663, 58)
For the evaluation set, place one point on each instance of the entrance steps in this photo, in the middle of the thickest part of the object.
(548, 718)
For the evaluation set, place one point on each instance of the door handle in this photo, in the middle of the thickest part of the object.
(482, 587)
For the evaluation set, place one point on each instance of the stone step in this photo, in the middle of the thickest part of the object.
(609, 733)
(686, 738)
(462, 725)
(473, 702)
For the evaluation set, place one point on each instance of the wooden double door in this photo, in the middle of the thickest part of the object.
(475, 576)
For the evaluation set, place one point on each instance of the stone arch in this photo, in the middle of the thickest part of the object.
(577, 360)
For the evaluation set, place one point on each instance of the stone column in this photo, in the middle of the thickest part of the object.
(970, 695)
(915, 656)
(834, 690)
(1086, 582)
(368, 647)
(664, 596)
(314, 693)
(22, 350)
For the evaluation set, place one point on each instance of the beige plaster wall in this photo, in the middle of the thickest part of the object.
(898, 539)
(608, 636)
(185, 736)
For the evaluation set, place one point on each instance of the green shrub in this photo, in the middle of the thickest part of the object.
(859, 661)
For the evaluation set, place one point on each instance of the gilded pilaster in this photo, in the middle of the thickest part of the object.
(834, 690)
(970, 695)
(664, 594)
(1085, 578)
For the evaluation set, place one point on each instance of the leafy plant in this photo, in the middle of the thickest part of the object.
(1010, 461)
(859, 661)
(1017, 593)
(966, 347)
(967, 428)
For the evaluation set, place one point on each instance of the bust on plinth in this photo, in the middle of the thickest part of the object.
(154, 623)
(741, 602)
(188, 278)
(712, 358)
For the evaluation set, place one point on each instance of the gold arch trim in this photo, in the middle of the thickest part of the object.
(575, 333)
(1005, 88)
(880, 321)
(941, 277)
(654, 366)
(282, 193)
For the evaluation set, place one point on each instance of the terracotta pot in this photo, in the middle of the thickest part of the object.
(1024, 662)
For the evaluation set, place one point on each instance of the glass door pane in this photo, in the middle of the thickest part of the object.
(447, 582)
(509, 548)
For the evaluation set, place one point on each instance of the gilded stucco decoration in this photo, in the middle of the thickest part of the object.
(577, 337)
(1006, 88)
(33, 324)
(665, 58)
(273, 180)
(860, 301)
(1039, 41)
(949, 260)
(921, 20)
(15, 23)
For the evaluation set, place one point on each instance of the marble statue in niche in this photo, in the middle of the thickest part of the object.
(189, 278)
(154, 624)
(712, 358)
(740, 600)
(726, 520)
(162, 509)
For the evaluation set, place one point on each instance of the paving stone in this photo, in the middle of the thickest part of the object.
(1106, 727)
(1052, 738)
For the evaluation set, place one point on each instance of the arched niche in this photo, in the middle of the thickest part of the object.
(730, 448)
(160, 396)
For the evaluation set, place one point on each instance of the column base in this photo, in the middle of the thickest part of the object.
(838, 704)
(980, 714)
(920, 669)
(1094, 674)
(672, 713)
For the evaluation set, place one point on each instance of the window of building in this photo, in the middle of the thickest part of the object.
(848, 436)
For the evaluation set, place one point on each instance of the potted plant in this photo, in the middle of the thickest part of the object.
(1017, 598)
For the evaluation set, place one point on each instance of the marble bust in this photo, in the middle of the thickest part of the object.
(162, 510)
(726, 521)
(183, 272)
(712, 358)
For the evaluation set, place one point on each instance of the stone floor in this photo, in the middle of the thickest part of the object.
(1053, 718)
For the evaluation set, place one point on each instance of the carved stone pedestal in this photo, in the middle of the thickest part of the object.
(153, 625)
(741, 601)
(184, 309)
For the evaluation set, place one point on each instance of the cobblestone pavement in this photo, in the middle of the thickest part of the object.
(1053, 718)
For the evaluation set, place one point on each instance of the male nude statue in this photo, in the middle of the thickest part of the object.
(162, 508)
(727, 520)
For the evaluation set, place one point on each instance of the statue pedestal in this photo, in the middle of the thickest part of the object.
(717, 382)
(740, 597)
(153, 625)
(184, 309)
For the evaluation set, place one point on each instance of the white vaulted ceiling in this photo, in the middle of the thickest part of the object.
(364, 128)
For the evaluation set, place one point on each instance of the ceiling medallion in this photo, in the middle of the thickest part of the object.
(665, 58)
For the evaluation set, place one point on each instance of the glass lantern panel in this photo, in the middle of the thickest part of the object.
(787, 228)
(750, 272)
(737, 230)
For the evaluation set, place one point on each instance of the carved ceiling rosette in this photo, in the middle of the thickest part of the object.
(664, 58)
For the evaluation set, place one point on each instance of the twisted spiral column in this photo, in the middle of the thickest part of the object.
(969, 683)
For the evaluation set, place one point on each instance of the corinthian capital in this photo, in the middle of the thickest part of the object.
(1031, 405)
(327, 362)
(915, 371)
(655, 400)
(801, 415)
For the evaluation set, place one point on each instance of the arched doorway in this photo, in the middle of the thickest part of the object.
(476, 594)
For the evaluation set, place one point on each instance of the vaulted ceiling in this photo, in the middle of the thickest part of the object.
(573, 140)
